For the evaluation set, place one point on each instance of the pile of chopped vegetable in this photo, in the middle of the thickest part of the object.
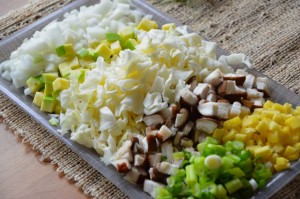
(156, 103)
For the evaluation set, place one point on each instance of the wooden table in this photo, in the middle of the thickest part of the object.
(22, 175)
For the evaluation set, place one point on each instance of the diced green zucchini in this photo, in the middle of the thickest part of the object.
(48, 104)
(48, 89)
(64, 69)
(60, 84)
(38, 98)
(65, 50)
(130, 44)
(147, 25)
(34, 84)
(49, 77)
(104, 51)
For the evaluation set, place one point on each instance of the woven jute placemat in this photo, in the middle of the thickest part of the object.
(266, 30)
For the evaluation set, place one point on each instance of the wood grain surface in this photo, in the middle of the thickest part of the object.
(22, 175)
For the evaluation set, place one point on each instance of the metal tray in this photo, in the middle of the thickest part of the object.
(279, 94)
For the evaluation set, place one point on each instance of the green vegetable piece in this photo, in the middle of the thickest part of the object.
(178, 155)
(58, 108)
(164, 158)
(48, 89)
(38, 98)
(34, 84)
(111, 37)
(233, 185)
(60, 84)
(191, 177)
(53, 121)
(130, 44)
(236, 172)
(83, 53)
(49, 77)
(48, 104)
(221, 192)
(64, 69)
(94, 55)
(227, 162)
(65, 50)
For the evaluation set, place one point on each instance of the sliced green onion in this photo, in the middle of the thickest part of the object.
(60, 51)
(191, 177)
(233, 185)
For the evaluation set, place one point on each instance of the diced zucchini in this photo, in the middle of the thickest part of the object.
(130, 44)
(74, 63)
(147, 25)
(49, 77)
(104, 51)
(60, 84)
(65, 50)
(64, 69)
(48, 89)
(111, 37)
(126, 33)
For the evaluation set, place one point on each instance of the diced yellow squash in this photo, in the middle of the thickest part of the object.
(34, 84)
(104, 51)
(64, 69)
(233, 123)
(49, 77)
(48, 104)
(48, 89)
(146, 24)
(74, 63)
(293, 122)
(115, 47)
(60, 84)
(38, 98)
(281, 164)
(126, 33)
(130, 44)
(168, 26)
(57, 108)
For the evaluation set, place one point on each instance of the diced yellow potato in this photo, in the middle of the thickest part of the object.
(265, 152)
(281, 164)
(289, 150)
(228, 136)
(250, 121)
(278, 118)
(218, 133)
(258, 139)
(293, 122)
(250, 143)
(168, 26)
(241, 137)
(278, 107)
(273, 137)
(273, 126)
(278, 148)
(233, 123)
(252, 148)
(288, 108)
(268, 104)
(262, 127)
(147, 25)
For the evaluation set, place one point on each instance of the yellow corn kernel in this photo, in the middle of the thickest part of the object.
(281, 164)
(265, 152)
(218, 133)
(250, 121)
(233, 123)
(168, 26)
(241, 137)
(268, 104)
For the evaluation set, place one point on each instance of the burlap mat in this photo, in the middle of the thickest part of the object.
(268, 31)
